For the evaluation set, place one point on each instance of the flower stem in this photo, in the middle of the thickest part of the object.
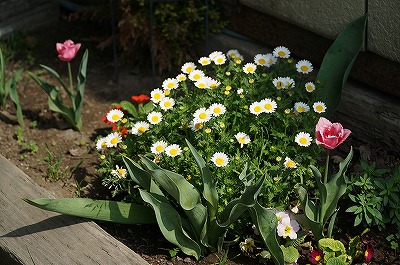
(71, 88)
(326, 168)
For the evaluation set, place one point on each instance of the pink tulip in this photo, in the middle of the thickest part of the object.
(67, 50)
(330, 135)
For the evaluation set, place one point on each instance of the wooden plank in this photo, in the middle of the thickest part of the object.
(28, 233)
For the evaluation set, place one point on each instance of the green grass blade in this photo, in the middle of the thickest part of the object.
(103, 210)
(337, 63)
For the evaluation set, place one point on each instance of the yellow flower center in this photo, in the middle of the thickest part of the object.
(257, 109)
(173, 152)
(203, 116)
(303, 140)
(114, 140)
(141, 129)
(170, 85)
(217, 110)
(189, 69)
(310, 88)
(201, 85)
(219, 161)
(198, 126)
(304, 68)
(154, 118)
(220, 60)
(288, 229)
(318, 258)
(279, 84)
(196, 76)
(250, 69)
(281, 53)
(115, 117)
(159, 148)
(167, 104)
(241, 140)
(208, 130)
(157, 96)
(268, 106)
(121, 171)
(290, 164)
(300, 109)
(319, 108)
(103, 145)
(262, 61)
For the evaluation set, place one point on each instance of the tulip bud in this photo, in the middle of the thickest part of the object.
(67, 50)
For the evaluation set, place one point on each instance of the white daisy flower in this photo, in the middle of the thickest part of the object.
(119, 172)
(156, 95)
(101, 144)
(158, 147)
(167, 103)
(220, 159)
(303, 139)
(242, 138)
(212, 83)
(217, 109)
(319, 107)
(271, 59)
(202, 115)
(279, 82)
(173, 150)
(256, 108)
(219, 59)
(202, 83)
(261, 59)
(269, 105)
(181, 77)
(281, 52)
(204, 61)
(240, 91)
(309, 86)
(289, 82)
(301, 107)
(195, 125)
(140, 127)
(289, 163)
(113, 139)
(234, 54)
(170, 83)
(114, 115)
(249, 68)
(304, 66)
(214, 54)
(196, 75)
(188, 67)
(154, 117)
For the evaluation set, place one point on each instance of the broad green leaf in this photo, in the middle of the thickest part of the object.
(337, 63)
(335, 261)
(80, 87)
(170, 224)
(290, 254)
(3, 91)
(266, 222)
(209, 191)
(140, 176)
(14, 96)
(58, 77)
(129, 107)
(246, 176)
(104, 210)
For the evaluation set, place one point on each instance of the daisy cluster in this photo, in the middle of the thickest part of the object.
(263, 112)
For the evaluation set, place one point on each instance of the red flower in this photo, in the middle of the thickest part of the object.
(67, 50)
(141, 98)
(316, 256)
(369, 252)
(329, 134)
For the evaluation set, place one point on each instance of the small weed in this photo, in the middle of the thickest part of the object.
(54, 165)
(19, 134)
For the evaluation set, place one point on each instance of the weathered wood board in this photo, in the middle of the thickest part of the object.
(29, 235)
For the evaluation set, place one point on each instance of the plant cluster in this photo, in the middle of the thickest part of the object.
(178, 26)
(262, 113)
(374, 196)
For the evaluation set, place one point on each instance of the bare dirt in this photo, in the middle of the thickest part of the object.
(46, 134)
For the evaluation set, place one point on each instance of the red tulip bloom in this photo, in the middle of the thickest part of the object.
(141, 98)
(316, 256)
(67, 50)
(369, 252)
(329, 134)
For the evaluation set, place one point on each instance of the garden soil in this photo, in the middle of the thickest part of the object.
(48, 151)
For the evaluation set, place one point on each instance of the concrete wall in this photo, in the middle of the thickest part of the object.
(328, 18)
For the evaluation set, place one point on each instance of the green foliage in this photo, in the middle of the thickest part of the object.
(394, 240)
(374, 196)
(8, 88)
(334, 252)
(55, 170)
(190, 219)
(319, 213)
(338, 61)
(72, 114)
(178, 27)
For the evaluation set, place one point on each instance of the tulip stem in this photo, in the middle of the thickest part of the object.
(71, 88)
(326, 168)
